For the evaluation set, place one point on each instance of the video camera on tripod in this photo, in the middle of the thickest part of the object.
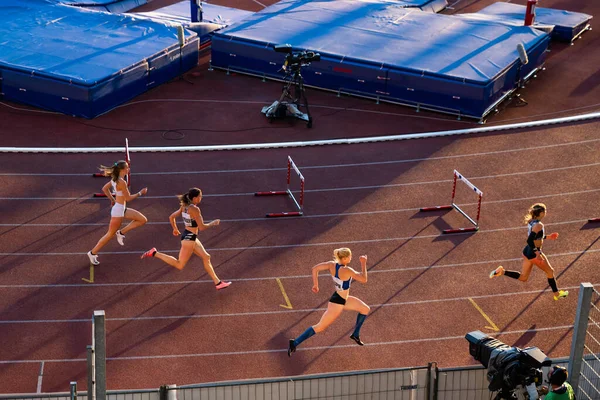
(512, 372)
(293, 95)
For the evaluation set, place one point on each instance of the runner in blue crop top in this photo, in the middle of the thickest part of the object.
(119, 209)
(532, 253)
(193, 222)
(340, 300)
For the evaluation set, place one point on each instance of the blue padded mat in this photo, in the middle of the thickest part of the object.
(84, 62)
(400, 53)
(114, 6)
(567, 25)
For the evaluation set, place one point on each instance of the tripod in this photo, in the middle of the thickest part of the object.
(292, 96)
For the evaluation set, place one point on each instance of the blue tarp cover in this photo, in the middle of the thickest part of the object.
(74, 44)
(384, 33)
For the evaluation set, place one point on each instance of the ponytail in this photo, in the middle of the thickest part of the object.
(534, 212)
(186, 198)
(114, 170)
(340, 253)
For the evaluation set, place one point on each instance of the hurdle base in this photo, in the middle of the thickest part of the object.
(594, 220)
(98, 175)
(436, 208)
(271, 193)
(99, 195)
(460, 230)
(285, 214)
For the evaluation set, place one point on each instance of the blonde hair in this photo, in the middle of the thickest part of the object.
(186, 198)
(114, 170)
(340, 253)
(534, 212)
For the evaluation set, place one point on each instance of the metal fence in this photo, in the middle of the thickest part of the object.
(584, 365)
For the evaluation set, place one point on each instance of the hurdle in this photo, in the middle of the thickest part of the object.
(299, 203)
(458, 177)
(128, 178)
(592, 220)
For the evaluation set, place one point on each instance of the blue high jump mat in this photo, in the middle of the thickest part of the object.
(113, 6)
(214, 17)
(83, 62)
(379, 49)
(567, 26)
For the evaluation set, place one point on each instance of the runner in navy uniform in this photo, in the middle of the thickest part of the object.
(532, 253)
(340, 300)
(193, 221)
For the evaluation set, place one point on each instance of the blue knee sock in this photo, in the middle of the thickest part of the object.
(359, 321)
(307, 333)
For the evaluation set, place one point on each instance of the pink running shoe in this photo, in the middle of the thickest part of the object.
(222, 285)
(149, 253)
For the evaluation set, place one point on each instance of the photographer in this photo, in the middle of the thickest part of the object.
(560, 388)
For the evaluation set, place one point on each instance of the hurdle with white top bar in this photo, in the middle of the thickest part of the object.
(459, 177)
(127, 178)
(299, 203)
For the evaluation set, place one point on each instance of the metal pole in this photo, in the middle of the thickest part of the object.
(454, 187)
(100, 354)
(579, 331)
(73, 390)
(90, 373)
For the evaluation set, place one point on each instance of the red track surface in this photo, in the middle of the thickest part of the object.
(169, 326)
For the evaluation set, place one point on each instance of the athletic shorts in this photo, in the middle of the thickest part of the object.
(337, 299)
(529, 253)
(118, 210)
(187, 235)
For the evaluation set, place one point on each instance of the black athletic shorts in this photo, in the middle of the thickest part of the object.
(337, 299)
(529, 253)
(187, 235)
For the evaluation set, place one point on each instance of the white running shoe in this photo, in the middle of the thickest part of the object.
(93, 258)
(120, 238)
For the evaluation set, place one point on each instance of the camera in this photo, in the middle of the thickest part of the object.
(295, 60)
(512, 372)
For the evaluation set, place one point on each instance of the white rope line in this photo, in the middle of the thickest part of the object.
(308, 167)
(302, 349)
(332, 215)
(279, 145)
(297, 245)
(348, 188)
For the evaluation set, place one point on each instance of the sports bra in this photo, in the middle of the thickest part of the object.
(114, 187)
(187, 221)
(539, 235)
(340, 284)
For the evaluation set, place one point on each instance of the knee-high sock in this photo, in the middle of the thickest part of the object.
(512, 274)
(552, 283)
(307, 333)
(360, 318)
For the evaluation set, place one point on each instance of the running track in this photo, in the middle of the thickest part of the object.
(169, 326)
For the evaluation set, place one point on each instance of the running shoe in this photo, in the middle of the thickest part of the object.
(149, 253)
(120, 238)
(222, 285)
(93, 258)
(357, 340)
(291, 347)
(561, 294)
(497, 272)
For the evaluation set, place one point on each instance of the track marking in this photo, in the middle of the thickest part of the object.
(254, 313)
(91, 280)
(364, 164)
(287, 305)
(40, 377)
(299, 245)
(253, 352)
(488, 319)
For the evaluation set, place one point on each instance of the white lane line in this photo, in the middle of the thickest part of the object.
(269, 278)
(348, 188)
(274, 312)
(364, 164)
(299, 245)
(40, 377)
(253, 352)
(344, 214)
